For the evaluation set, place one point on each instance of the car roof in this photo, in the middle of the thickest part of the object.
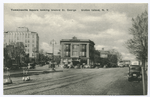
(135, 66)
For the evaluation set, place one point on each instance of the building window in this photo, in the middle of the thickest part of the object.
(28, 45)
(33, 41)
(67, 54)
(74, 46)
(32, 45)
(83, 47)
(74, 53)
(28, 41)
(82, 54)
(67, 47)
(32, 36)
(26, 36)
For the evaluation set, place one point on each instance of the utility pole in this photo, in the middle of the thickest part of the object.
(143, 77)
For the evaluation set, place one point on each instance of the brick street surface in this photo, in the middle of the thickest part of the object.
(102, 81)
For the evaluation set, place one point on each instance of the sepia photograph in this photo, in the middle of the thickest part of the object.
(75, 49)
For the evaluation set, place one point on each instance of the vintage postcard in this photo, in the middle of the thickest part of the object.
(75, 49)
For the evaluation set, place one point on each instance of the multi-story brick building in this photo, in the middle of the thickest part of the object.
(22, 34)
(77, 51)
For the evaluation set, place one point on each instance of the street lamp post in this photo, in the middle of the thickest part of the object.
(25, 69)
(53, 42)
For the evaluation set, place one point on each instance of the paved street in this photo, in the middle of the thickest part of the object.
(103, 81)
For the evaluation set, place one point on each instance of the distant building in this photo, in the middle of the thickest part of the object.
(49, 55)
(77, 51)
(22, 34)
(103, 53)
(124, 62)
(108, 58)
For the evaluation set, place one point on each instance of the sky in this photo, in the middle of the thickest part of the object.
(108, 29)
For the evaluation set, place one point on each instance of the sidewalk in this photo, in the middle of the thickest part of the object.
(146, 83)
(38, 73)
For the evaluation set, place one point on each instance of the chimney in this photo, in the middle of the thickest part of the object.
(102, 49)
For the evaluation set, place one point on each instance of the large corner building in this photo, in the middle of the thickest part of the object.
(22, 34)
(77, 51)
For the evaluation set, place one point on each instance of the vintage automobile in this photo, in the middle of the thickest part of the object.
(134, 73)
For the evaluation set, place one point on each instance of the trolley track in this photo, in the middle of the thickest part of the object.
(48, 84)
(34, 82)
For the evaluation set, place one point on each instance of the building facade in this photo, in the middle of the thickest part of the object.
(124, 62)
(107, 58)
(28, 38)
(103, 53)
(77, 51)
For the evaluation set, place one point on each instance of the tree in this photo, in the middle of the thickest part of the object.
(113, 57)
(138, 45)
(41, 55)
(19, 53)
(118, 55)
(96, 56)
(14, 54)
(8, 51)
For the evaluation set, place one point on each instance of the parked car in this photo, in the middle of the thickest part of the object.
(121, 65)
(92, 66)
(42, 63)
(134, 73)
(86, 66)
(70, 66)
(47, 62)
(65, 66)
(31, 65)
(105, 66)
(77, 67)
